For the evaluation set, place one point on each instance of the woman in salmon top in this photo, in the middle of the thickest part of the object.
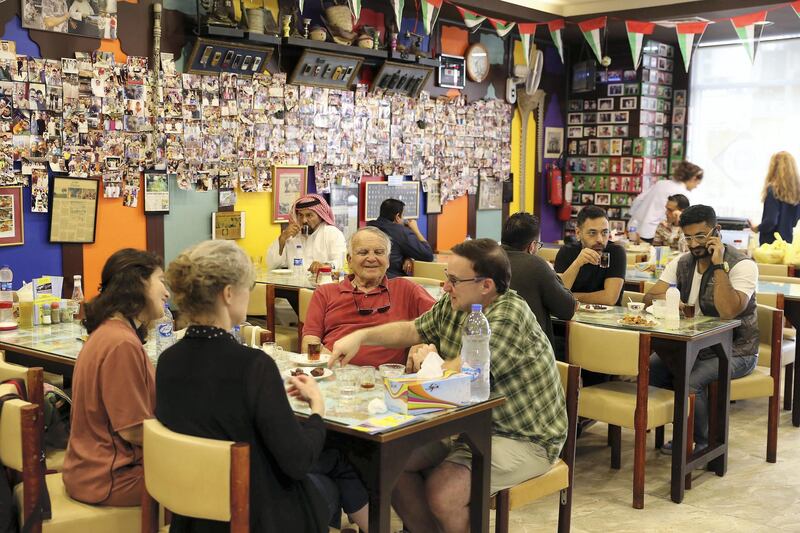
(113, 386)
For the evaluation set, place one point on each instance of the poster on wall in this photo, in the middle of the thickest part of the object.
(156, 193)
(11, 222)
(74, 208)
(88, 18)
(553, 142)
(227, 225)
(490, 194)
(290, 184)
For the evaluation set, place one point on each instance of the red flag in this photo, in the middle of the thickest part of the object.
(526, 28)
(749, 19)
(636, 26)
(796, 7)
(592, 24)
(559, 24)
(436, 3)
(691, 27)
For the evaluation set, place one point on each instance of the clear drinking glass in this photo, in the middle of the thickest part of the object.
(268, 348)
(367, 381)
(605, 260)
(348, 379)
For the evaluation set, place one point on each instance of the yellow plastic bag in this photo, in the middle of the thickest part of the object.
(773, 253)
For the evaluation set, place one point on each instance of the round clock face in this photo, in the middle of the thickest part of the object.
(477, 62)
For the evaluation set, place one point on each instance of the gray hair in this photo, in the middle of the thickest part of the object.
(373, 230)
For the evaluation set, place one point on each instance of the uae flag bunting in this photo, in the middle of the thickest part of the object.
(355, 8)
(556, 27)
(686, 32)
(397, 5)
(471, 19)
(526, 31)
(636, 32)
(745, 27)
(591, 32)
(430, 12)
(501, 26)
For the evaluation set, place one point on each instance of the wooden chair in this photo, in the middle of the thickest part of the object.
(425, 281)
(425, 269)
(284, 336)
(778, 279)
(620, 403)
(195, 477)
(559, 478)
(787, 348)
(304, 300)
(647, 286)
(632, 296)
(766, 269)
(548, 254)
(765, 383)
(21, 429)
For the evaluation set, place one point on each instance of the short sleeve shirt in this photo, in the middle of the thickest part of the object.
(333, 313)
(113, 389)
(522, 368)
(592, 278)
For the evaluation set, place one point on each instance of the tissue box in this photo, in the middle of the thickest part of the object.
(414, 396)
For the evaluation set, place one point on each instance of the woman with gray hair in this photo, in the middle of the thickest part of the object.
(208, 385)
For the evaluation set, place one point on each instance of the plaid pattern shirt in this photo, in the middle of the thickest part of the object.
(523, 368)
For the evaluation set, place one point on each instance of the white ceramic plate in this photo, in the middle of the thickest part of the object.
(326, 374)
(301, 359)
(652, 324)
(281, 271)
(595, 308)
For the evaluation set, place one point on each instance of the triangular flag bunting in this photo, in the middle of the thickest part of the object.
(556, 27)
(796, 7)
(745, 27)
(355, 8)
(526, 31)
(397, 5)
(301, 2)
(591, 31)
(471, 19)
(636, 32)
(501, 26)
(430, 12)
(686, 32)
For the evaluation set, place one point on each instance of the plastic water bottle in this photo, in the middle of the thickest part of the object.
(6, 277)
(475, 354)
(164, 336)
(673, 298)
(297, 262)
(237, 333)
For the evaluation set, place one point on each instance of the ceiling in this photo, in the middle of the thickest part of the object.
(575, 8)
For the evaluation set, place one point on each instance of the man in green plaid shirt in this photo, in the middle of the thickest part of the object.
(529, 429)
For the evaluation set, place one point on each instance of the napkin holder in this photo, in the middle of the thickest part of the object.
(411, 395)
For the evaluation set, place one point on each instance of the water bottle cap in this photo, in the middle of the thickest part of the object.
(673, 285)
(477, 307)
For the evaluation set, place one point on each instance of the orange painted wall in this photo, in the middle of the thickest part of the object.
(117, 227)
(452, 223)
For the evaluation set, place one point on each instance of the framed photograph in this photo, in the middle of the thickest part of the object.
(615, 89)
(605, 118)
(616, 147)
(614, 75)
(575, 105)
(12, 229)
(605, 104)
(227, 225)
(679, 115)
(433, 204)
(590, 118)
(586, 198)
(590, 105)
(97, 20)
(74, 209)
(452, 72)
(575, 119)
(602, 198)
(289, 185)
(590, 131)
(209, 56)
(605, 130)
(628, 102)
(490, 193)
(631, 89)
(620, 117)
(553, 142)
(680, 98)
(156, 193)
(574, 132)
(227, 199)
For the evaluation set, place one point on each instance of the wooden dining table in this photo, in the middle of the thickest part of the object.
(679, 347)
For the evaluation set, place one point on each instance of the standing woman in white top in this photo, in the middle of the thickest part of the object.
(310, 225)
(647, 210)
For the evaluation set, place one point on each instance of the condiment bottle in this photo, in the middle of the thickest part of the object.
(55, 313)
(46, 318)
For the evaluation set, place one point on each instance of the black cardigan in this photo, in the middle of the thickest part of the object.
(209, 386)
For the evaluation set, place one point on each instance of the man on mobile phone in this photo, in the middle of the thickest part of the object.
(408, 243)
(586, 270)
(719, 281)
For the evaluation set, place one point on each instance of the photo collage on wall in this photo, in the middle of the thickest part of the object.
(88, 116)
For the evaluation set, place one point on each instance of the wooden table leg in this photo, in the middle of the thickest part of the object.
(385, 466)
(679, 423)
(271, 310)
(792, 311)
(720, 464)
(479, 438)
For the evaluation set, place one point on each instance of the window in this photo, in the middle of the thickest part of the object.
(739, 115)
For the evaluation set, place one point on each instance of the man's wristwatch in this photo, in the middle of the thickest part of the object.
(724, 266)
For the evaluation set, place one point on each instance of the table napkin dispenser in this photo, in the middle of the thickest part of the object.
(411, 395)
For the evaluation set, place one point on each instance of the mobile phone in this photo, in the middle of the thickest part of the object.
(228, 58)
(256, 63)
(206, 55)
(349, 71)
(246, 62)
(237, 61)
(306, 69)
(326, 71)
(337, 74)
(215, 60)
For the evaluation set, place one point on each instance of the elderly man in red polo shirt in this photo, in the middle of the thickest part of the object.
(365, 298)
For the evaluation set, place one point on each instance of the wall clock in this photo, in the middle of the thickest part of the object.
(477, 60)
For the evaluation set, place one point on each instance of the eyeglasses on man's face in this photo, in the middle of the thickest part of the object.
(699, 239)
(453, 280)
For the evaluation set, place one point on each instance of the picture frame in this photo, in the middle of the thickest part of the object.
(156, 193)
(289, 184)
(12, 222)
(627, 103)
(615, 89)
(433, 199)
(452, 72)
(98, 25)
(574, 132)
(602, 198)
(605, 104)
(227, 199)
(574, 119)
(575, 105)
(553, 142)
(74, 210)
(334, 71)
(204, 51)
(490, 194)
(227, 225)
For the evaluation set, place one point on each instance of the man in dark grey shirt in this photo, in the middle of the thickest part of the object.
(531, 276)
(408, 244)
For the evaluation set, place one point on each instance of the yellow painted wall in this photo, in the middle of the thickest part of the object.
(259, 229)
(530, 167)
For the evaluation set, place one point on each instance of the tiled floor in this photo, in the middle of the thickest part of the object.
(753, 496)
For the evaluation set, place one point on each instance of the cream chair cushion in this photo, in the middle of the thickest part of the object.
(548, 254)
(610, 351)
(12, 371)
(286, 338)
(789, 333)
(303, 302)
(787, 353)
(188, 475)
(614, 403)
(757, 384)
(55, 459)
(425, 269)
(632, 296)
(257, 305)
(11, 431)
(554, 480)
(72, 516)
(766, 269)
